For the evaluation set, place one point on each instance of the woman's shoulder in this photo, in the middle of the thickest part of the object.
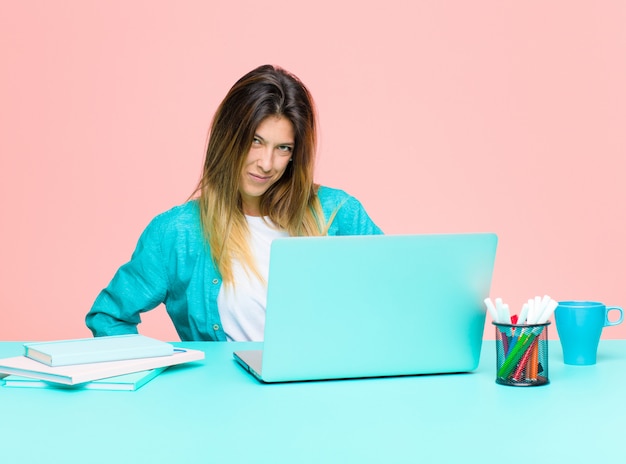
(334, 198)
(188, 212)
(180, 221)
(350, 217)
(330, 195)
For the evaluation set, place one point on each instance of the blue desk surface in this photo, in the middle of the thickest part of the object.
(213, 411)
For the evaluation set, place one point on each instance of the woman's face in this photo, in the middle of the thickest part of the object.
(266, 162)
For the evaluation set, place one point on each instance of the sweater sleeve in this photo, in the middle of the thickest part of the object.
(137, 286)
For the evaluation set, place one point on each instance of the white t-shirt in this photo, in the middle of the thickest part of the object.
(242, 308)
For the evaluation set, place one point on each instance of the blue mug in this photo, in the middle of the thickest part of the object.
(579, 325)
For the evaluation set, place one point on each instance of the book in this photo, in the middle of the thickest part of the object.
(127, 382)
(80, 373)
(99, 349)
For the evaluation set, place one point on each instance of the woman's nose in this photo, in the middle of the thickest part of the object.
(265, 159)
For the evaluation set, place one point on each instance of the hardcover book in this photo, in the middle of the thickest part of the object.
(126, 382)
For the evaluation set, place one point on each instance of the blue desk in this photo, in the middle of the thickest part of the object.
(213, 411)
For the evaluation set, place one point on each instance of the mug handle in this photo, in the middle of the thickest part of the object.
(607, 322)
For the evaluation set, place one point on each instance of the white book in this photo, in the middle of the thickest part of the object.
(80, 373)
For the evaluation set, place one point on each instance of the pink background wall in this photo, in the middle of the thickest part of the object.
(440, 116)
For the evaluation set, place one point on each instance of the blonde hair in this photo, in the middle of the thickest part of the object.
(291, 203)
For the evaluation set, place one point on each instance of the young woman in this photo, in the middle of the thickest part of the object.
(208, 259)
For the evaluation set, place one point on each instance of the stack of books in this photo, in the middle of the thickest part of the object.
(118, 362)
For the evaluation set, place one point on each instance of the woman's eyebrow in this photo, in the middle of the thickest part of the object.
(257, 136)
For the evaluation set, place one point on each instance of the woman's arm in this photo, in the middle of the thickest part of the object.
(137, 286)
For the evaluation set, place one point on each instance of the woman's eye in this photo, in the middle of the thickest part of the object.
(256, 141)
(285, 148)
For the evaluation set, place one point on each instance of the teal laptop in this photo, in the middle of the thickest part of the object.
(372, 306)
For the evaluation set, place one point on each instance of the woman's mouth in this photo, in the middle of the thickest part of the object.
(259, 179)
